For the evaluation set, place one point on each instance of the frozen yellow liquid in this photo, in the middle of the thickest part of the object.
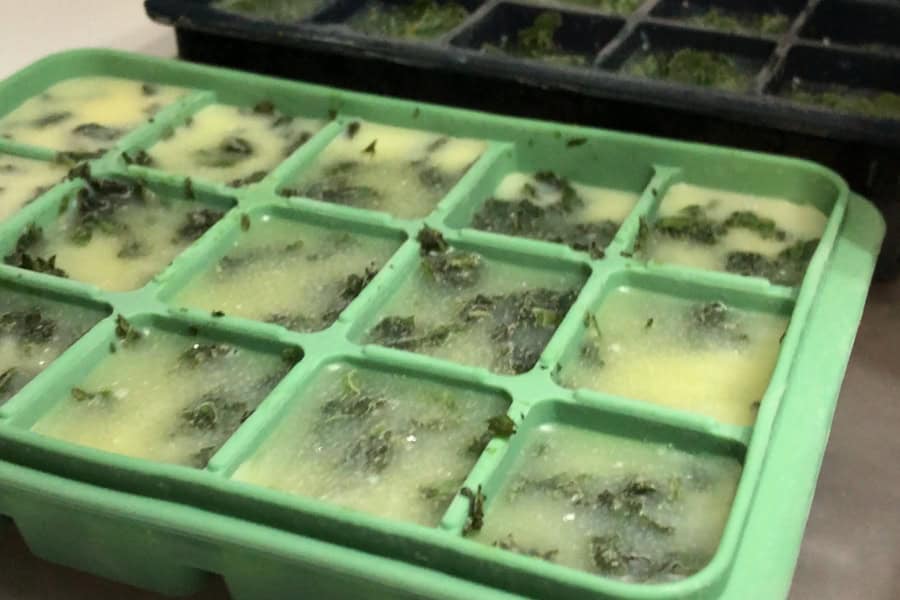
(399, 171)
(22, 180)
(404, 458)
(52, 118)
(144, 239)
(673, 362)
(551, 505)
(290, 273)
(33, 332)
(227, 143)
(800, 222)
(161, 406)
(434, 304)
(600, 203)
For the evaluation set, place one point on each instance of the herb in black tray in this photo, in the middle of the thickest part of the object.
(537, 42)
(525, 217)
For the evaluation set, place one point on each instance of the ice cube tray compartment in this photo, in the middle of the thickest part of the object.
(238, 517)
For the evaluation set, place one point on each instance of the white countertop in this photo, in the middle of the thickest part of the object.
(32, 29)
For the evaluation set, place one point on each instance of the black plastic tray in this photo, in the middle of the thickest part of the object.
(853, 43)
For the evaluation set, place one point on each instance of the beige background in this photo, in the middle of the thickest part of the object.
(852, 544)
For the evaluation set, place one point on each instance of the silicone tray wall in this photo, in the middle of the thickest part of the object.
(823, 45)
(167, 527)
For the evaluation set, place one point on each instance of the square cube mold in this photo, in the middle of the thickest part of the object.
(200, 521)
(671, 287)
(79, 313)
(204, 259)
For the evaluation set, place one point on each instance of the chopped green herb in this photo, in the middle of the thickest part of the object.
(213, 411)
(537, 42)
(50, 119)
(202, 416)
(139, 157)
(200, 354)
(100, 133)
(245, 222)
(264, 107)
(786, 268)
(21, 255)
(695, 67)
(30, 326)
(500, 426)
(250, 179)
(291, 355)
(352, 129)
(549, 222)
(202, 457)
(870, 103)
(400, 332)
(431, 240)
(74, 157)
(229, 152)
(445, 265)
(196, 223)
(370, 149)
(766, 24)
(574, 142)
(691, 224)
(336, 186)
(475, 518)
(102, 397)
(373, 451)
(416, 19)
(217, 314)
(125, 331)
(132, 249)
(764, 227)
(6, 379)
(714, 322)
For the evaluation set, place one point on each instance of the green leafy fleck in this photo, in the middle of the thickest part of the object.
(201, 354)
(766, 24)
(475, 517)
(138, 157)
(537, 42)
(690, 66)
(373, 451)
(125, 331)
(100, 397)
(418, 19)
(6, 379)
(50, 119)
(97, 132)
(22, 256)
(228, 153)
(196, 223)
(551, 222)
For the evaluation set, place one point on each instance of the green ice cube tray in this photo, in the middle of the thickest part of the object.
(168, 528)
